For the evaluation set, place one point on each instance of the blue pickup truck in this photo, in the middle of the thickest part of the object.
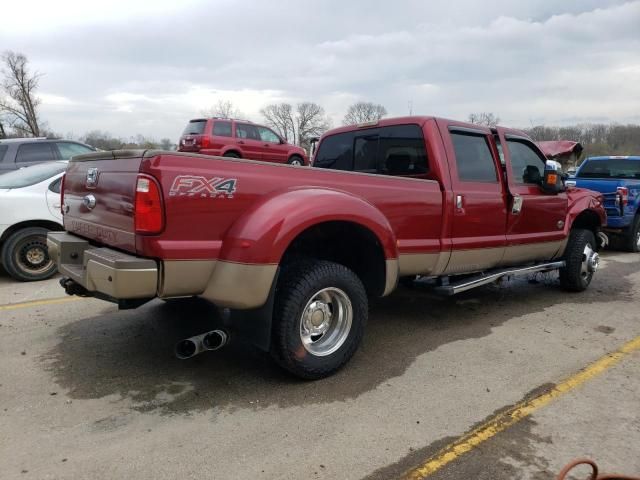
(618, 178)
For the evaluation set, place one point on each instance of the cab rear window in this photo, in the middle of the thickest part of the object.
(394, 150)
(195, 127)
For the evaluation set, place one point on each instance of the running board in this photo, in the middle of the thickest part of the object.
(485, 278)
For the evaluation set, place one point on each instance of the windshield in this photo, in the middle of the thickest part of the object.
(610, 168)
(195, 127)
(31, 175)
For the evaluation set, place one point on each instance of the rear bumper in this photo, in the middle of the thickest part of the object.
(104, 271)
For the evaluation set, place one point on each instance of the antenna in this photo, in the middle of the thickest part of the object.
(410, 104)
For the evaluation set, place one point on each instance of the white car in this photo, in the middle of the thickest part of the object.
(29, 208)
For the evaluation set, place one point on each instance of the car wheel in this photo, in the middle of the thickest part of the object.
(581, 259)
(632, 239)
(25, 255)
(296, 160)
(231, 155)
(320, 315)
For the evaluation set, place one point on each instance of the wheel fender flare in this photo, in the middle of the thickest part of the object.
(264, 232)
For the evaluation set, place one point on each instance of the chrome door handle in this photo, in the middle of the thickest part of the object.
(517, 204)
(459, 202)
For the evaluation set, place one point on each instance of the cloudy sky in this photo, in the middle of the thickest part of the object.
(122, 67)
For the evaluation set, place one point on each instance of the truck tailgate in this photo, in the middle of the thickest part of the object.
(99, 196)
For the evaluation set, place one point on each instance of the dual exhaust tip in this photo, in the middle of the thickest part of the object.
(209, 341)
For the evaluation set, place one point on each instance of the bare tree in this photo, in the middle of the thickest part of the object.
(488, 119)
(19, 103)
(297, 125)
(223, 109)
(361, 112)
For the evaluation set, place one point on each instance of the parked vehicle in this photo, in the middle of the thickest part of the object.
(239, 139)
(618, 178)
(295, 253)
(22, 152)
(29, 209)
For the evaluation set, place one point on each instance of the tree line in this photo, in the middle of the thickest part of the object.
(297, 123)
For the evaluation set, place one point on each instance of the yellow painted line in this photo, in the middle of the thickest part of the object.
(516, 413)
(37, 303)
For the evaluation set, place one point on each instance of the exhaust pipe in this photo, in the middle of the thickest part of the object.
(209, 341)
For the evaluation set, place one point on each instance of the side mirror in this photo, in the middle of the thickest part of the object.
(553, 181)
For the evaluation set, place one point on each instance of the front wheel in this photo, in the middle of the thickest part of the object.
(320, 315)
(296, 160)
(581, 259)
(25, 255)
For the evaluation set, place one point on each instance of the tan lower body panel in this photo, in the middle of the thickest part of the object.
(391, 276)
(530, 252)
(417, 263)
(463, 261)
(238, 285)
(185, 277)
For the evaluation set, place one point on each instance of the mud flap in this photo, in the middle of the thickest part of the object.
(254, 325)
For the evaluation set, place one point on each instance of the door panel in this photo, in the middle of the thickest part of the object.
(249, 141)
(478, 231)
(536, 231)
(272, 149)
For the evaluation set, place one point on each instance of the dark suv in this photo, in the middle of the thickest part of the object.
(21, 152)
(239, 139)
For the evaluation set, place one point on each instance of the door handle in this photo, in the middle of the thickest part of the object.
(459, 202)
(266, 145)
(517, 204)
(241, 142)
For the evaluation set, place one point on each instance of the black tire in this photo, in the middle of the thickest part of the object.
(296, 160)
(299, 285)
(632, 239)
(25, 256)
(576, 276)
(231, 155)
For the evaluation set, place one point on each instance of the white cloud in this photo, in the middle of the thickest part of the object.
(140, 72)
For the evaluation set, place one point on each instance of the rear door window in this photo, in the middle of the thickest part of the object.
(250, 132)
(35, 152)
(473, 158)
(222, 129)
(3, 150)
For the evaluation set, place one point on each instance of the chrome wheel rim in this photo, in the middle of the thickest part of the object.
(638, 240)
(32, 256)
(296, 162)
(326, 321)
(590, 261)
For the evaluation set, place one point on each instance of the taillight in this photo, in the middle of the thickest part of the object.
(623, 195)
(205, 143)
(148, 214)
(62, 194)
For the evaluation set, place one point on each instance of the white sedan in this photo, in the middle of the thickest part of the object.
(29, 208)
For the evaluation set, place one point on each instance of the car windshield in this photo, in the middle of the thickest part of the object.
(31, 175)
(610, 168)
(195, 127)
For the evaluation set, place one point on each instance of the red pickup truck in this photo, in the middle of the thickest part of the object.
(295, 252)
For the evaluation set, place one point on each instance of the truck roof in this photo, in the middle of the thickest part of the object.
(614, 157)
(419, 119)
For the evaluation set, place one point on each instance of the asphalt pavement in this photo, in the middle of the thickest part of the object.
(88, 391)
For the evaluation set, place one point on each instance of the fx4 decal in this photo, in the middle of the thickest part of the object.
(197, 186)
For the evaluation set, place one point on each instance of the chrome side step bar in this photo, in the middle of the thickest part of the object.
(492, 276)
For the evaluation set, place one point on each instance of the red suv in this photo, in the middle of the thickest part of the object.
(239, 139)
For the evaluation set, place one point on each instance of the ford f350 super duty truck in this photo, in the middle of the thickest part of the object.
(295, 253)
